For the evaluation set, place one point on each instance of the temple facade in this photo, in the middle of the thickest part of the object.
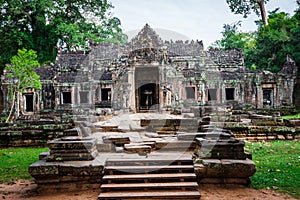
(148, 74)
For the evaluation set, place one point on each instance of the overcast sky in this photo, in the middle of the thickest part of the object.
(195, 19)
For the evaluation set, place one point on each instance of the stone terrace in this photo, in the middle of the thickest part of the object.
(144, 155)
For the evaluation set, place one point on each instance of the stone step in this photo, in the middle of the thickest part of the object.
(139, 149)
(116, 139)
(151, 161)
(208, 135)
(159, 176)
(149, 177)
(150, 186)
(153, 195)
(149, 169)
(175, 145)
(150, 143)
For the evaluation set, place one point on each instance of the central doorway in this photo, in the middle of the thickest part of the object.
(147, 89)
(147, 97)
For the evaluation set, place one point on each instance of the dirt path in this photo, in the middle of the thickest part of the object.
(26, 190)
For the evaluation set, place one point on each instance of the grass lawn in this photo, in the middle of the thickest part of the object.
(277, 166)
(277, 162)
(291, 116)
(14, 163)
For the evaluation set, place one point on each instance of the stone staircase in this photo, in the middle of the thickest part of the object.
(161, 176)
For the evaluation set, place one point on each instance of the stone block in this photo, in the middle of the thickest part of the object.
(117, 140)
(72, 143)
(139, 149)
(105, 147)
(72, 132)
(238, 168)
(72, 156)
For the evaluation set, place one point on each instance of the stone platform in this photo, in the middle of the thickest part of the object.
(215, 154)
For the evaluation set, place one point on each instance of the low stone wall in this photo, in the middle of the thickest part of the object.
(256, 133)
(30, 133)
(225, 171)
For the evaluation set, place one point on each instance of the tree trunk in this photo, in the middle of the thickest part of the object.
(12, 107)
(263, 12)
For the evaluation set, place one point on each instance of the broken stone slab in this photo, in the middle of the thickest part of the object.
(61, 151)
(72, 132)
(72, 143)
(175, 145)
(211, 135)
(105, 147)
(72, 156)
(139, 149)
(150, 143)
(117, 140)
(108, 127)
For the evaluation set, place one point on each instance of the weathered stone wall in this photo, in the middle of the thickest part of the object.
(30, 133)
(181, 66)
(297, 94)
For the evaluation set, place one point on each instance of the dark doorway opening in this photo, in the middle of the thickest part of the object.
(147, 89)
(147, 95)
(190, 92)
(66, 98)
(105, 94)
(212, 94)
(229, 94)
(28, 102)
(268, 97)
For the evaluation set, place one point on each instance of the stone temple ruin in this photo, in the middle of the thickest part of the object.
(148, 74)
(153, 119)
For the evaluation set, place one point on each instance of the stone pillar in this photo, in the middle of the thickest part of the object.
(131, 81)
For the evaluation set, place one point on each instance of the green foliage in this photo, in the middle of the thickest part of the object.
(22, 71)
(292, 116)
(41, 24)
(245, 7)
(14, 163)
(277, 165)
(234, 39)
(268, 47)
(274, 41)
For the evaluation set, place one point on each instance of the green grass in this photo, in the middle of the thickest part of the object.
(14, 163)
(277, 166)
(291, 116)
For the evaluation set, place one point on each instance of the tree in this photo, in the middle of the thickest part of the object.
(268, 47)
(41, 24)
(234, 39)
(277, 40)
(245, 7)
(21, 75)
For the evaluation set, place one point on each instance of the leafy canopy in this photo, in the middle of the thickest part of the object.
(42, 24)
(21, 71)
(268, 47)
(245, 7)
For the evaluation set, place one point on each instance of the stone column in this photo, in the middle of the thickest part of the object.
(131, 81)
